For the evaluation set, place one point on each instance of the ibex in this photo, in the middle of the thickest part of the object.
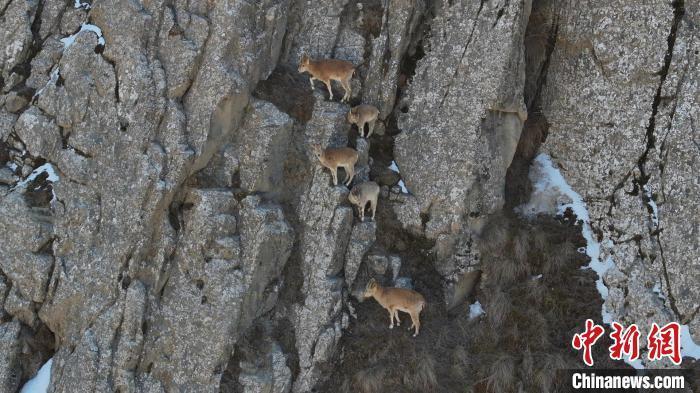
(361, 115)
(363, 193)
(328, 70)
(332, 158)
(395, 300)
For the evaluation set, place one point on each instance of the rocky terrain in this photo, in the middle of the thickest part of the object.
(165, 226)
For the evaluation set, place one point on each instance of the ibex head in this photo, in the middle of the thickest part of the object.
(304, 63)
(370, 289)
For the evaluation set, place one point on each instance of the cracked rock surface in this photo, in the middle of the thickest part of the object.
(622, 128)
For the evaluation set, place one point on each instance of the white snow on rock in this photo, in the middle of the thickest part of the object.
(78, 4)
(46, 168)
(52, 177)
(688, 346)
(552, 194)
(652, 204)
(68, 41)
(394, 167)
(475, 310)
(52, 80)
(404, 190)
(40, 382)
(637, 364)
(657, 290)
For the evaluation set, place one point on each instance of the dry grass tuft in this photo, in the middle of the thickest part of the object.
(517, 346)
(502, 374)
(369, 380)
(499, 307)
(423, 374)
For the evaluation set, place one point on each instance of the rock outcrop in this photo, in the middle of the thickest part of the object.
(622, 108)
(460, 123)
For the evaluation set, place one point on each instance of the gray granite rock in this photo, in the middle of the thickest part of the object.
(26, 232)
(361, 240)
(453, 161)
(16, 35)
(273, 376)
(10, 350)
(378, 264)
(627, 146)
(400, 23)
(20, 307)
(326, 220)
(317, 30)
(263, 141)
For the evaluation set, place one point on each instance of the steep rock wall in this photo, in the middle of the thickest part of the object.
(622, 107)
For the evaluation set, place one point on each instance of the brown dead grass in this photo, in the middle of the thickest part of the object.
(521, 342)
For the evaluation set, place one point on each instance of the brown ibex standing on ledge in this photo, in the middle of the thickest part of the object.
(328, 70)
(395, 300)
(332, 158)
(363, 193)
(361, 115)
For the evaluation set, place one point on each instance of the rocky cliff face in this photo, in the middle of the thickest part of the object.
(165, 226)
(622, 106)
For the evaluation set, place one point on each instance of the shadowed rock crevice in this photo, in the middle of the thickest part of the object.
(539, 42)
(652, 135)
(289, 91)
(377, 359)
(622, 158)
(26, 348)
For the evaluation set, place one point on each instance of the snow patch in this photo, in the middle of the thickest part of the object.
(394, 167)
(54, 199)
(52, 80)
(404, 190)
(652, 204)
(475, 310)
(46, 168)
(688, 347)
(40, 382)
(637, 364)
(52, 177)
(68, 41)
(552, 194)
(657, 290)
(78, 4)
